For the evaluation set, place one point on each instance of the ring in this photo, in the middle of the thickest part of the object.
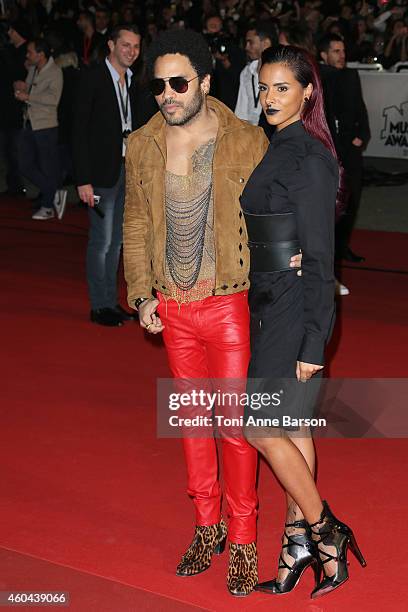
(149, 325)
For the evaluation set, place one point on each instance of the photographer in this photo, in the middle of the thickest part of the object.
(228, 59)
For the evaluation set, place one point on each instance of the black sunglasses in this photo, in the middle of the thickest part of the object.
(178, 84)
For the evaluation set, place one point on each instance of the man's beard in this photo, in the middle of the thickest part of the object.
(190, 111)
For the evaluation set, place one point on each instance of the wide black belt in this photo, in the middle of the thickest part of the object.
(272, 241)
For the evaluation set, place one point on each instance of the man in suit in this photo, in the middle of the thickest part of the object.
(348, 121)
(259, 36)
(108, 108)
(90, 42)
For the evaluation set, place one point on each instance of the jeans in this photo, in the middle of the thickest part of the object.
(39, 161)
(104, 245)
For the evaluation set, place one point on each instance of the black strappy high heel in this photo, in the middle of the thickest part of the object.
(329, 531)
(303, 550)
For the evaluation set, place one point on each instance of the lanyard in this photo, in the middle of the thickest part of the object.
(124, 106)
(256, 96)
(32, 80)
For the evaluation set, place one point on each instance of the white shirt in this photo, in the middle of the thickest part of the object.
(248, 106)
(126, 121)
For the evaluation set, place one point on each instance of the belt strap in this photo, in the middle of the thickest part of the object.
(272, 257)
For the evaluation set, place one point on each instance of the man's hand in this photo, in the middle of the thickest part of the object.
(86, 194)
(22, 96)
(20, 86)
(305, 371)
(296, 262)
(148, 318)
(357, 142)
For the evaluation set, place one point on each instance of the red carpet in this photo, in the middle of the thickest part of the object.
(92, 503)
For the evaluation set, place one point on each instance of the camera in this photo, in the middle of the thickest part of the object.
(219, 43)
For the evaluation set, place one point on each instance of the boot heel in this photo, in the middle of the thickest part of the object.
(356, 550)
(330, 532)
(317, 570)
(301, 548)
(219, 549)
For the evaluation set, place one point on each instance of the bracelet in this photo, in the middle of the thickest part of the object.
(140, 301)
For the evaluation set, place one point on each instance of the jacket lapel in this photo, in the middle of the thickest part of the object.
(111, 93)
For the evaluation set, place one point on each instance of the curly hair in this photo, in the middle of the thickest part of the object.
(185, 42)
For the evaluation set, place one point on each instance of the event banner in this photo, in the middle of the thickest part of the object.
(386, 98)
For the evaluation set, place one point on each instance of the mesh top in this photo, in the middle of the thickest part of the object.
(190, 246)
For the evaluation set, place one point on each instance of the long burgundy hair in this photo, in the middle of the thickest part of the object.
(305, 70)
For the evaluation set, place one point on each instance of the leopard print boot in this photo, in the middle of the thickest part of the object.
(243, 569)
(207, 541)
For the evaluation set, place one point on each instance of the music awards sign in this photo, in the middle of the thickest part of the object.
(386, 98)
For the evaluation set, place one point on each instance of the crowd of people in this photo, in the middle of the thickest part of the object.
(48, 47)
(74, 36)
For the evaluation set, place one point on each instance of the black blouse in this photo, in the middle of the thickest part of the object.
(299, 175)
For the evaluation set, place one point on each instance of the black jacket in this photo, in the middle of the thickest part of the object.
(299, 175)
(345, 108)
(11, 69)
(97, 126)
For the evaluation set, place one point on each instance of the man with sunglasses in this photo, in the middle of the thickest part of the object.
(186, 266)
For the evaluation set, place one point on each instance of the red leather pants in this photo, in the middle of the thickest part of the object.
(210, 339)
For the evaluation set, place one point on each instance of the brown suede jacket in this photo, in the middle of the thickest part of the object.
(238, 150)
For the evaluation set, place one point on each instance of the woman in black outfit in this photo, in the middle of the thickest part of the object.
(289, 204)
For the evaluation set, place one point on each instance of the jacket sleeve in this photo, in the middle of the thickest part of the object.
(312, 189)
(241, 108)
(363, 126)
(137, 233)
(83, 106)
(49, 92)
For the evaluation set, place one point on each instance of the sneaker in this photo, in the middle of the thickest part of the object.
(341, 289)
(43, 213)
(60, 202)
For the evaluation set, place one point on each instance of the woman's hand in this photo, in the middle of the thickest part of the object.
(305, 371)
(148, 318)
(296, 262)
